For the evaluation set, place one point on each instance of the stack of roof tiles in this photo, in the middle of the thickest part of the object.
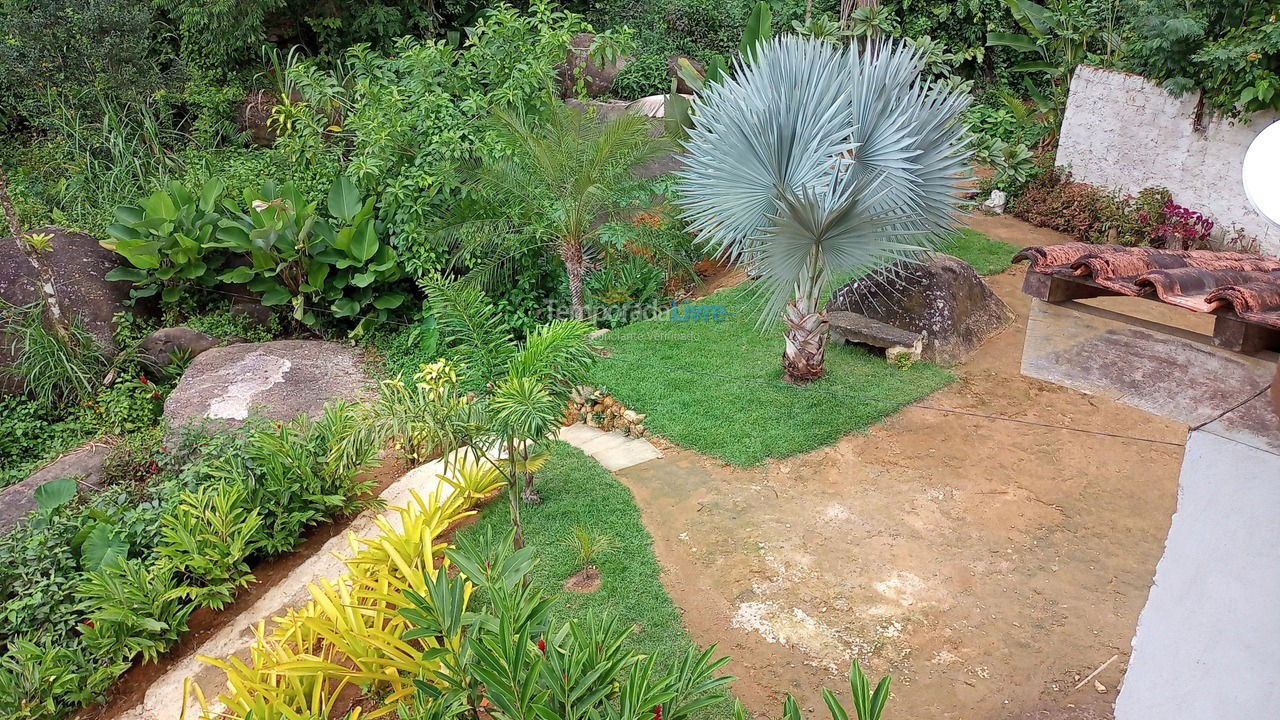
(1200, 280)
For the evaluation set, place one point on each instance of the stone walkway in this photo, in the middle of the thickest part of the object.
(613, 450)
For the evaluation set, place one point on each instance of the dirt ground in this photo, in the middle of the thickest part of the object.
(988, 566)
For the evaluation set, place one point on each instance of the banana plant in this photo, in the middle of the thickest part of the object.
(1059, 35)
(299, 257)
(167, 238)
(676, 108)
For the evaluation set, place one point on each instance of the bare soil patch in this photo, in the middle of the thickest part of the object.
(586, 580)
(988, 565)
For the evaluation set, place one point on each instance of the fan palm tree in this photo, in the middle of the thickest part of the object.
(560, 177)
(816, 160)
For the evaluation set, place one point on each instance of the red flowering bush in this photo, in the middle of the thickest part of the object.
(1183, 228)
(1092, 214)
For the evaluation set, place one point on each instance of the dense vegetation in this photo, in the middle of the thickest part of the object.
(406, 176)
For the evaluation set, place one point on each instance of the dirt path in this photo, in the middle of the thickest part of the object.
(988, 566)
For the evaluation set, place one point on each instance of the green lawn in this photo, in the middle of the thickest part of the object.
(986, 255)
(716, 387)
(577, 491)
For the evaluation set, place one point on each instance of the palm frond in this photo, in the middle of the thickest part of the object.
(556, 353)
(814, 160)
(471, 328)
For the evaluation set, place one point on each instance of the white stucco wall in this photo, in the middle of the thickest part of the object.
(1125, 132)
(1208, 639)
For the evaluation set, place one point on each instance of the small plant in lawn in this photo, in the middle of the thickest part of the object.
(586, 546)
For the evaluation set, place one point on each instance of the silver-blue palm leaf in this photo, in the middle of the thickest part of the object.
(815, 160)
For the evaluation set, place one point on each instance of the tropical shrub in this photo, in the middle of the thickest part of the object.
(557, 176)
(1227, 49)
(168, 238)
(1093, 214)
(783, 191)
(206, 540)
(280, 246)
(67, 48)
(300, 257)
(298, 474)
(133, 608)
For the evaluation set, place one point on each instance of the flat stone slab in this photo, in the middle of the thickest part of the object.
(280, 379)
(1163, 370)
(84, 463)
(613, 450)
(850, 327)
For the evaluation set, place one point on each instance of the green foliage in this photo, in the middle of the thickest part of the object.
(298, 256)
(577, 492)
(39, 679)
(98, 580)
(406, 349)
(1093, 214)
(587, 545)
(55, 369)
(296, 475)
(33, 432)
(280, 246)
(134, 609)
(227, 325)
(53, 49)
(559, 175)
(168, 238)
(206, 539)
(529, 665)
(1228, 49)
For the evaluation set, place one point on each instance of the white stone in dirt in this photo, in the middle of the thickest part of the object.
(165, 698)
(995, 203)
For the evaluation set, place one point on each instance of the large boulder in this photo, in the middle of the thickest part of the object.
(78, 264)
(84, 463)
(597, 78)
(279, 380)
(940, 297)
(162, 346)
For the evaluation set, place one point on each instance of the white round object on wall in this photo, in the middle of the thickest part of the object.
(1261, 173)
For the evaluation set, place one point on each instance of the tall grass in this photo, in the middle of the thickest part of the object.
(117, 148)
(55, 370)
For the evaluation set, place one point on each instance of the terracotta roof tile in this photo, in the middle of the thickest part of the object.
(1200, 280)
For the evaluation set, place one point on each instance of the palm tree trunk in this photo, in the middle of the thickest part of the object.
(806, 334)
(806, 348)
(571, 253)
(513, 495)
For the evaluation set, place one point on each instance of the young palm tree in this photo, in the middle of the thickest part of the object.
(560, 177)
(815, 160)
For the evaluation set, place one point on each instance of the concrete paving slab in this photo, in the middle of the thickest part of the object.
(613, 450)
(578, 433)
(1171, 372)
(602, 443)
(628, 455)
